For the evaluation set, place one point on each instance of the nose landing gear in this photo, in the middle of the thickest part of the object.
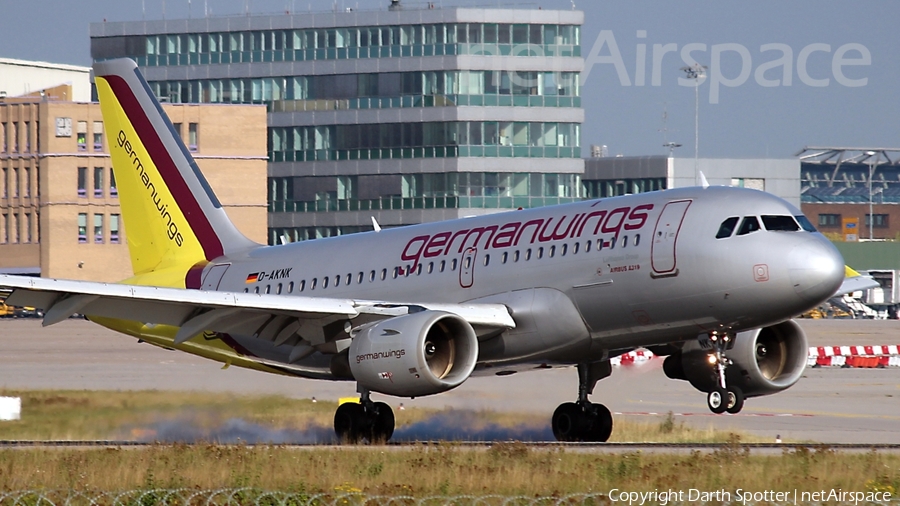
(722, 397)
(368, 421)
(584, 420)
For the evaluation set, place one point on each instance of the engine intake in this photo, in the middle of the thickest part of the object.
(766, 361)
(423, 353)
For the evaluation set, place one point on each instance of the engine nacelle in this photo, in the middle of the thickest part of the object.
(423, 353)
(766, 361)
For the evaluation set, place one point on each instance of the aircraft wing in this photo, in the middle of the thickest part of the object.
(275, 317)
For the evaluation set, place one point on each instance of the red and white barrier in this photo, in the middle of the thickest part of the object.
(632, 357)
(852, 351)
(819, 356)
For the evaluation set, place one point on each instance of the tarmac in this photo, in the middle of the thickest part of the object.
(828, 405)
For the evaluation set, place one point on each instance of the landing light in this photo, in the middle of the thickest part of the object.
(712, 359)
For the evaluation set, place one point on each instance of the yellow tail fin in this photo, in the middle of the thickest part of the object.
(172, 217)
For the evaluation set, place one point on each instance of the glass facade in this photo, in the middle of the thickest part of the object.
(424, 140)
(343, 43)
(384, 90)
(491, 190)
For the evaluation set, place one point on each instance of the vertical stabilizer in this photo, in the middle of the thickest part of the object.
(172, 217)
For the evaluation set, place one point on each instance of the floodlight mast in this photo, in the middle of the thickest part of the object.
(872, 166)
(696, 72)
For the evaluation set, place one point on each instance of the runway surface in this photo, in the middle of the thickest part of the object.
(829, 405)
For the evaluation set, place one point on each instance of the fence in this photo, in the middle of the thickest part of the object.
(344, 496)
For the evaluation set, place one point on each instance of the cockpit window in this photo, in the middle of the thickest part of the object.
(805, 223)
(780, 223)
(750, 224)
(727, 228)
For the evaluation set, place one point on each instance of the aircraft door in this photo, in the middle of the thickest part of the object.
(662, 250)
(214, 277)
(467, 268)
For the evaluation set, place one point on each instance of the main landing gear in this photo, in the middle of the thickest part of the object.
(584, 420)
(722, 397)
(368, 421)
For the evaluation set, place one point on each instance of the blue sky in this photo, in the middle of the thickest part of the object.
(841, 88)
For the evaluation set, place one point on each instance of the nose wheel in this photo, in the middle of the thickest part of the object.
(366, 421)
(723, 398)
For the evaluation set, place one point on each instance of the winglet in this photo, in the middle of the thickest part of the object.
(376, 225)
(703, 182)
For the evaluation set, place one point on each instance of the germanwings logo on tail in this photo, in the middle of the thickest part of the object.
(163, 207)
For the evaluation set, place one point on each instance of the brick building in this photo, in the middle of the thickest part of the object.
(59, 207)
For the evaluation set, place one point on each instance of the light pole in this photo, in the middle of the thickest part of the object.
(871, 197)
(696, 72)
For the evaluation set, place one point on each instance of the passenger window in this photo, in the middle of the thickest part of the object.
(563, 249)
(468, 263)
(324, 282)
(268, 288)
(805, 224)
(302, 286)
(371, 276)
(359, 278)
(396, 272)
(246, 290)
(487, 260)
(727, 228)
(337, 281)
(383, 274)
(599, 244)
(278, 289)
(528, 254)
(750, 224)
(504, 257)
(430, 267)
(587, 246)
(637, 239)
(313, 283)
(290, 287)
(349, 278)
(516, 256)
(540, 253)
(624, 241)
(453, 265)
(419, 270)
(256, 290)
(443, 264)
(575, 248)
(612, 243)
(780, 223)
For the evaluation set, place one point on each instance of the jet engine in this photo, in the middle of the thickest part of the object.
(765, 361)
(423, 353)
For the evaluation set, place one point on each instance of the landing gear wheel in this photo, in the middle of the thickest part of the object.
(567, 422)
(735, 400)
(348, 421)
(372, 422)
(382, 423)
(602, 425)
(717, 400)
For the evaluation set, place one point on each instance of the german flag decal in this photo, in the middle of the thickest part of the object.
(253, 278)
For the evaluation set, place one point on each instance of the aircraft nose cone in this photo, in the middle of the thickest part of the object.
(816, 269)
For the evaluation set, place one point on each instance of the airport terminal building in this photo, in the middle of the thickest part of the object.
(404, 114)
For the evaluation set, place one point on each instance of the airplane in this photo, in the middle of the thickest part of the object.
(708, 276)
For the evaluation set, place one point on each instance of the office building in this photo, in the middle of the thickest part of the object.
(403, 114)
